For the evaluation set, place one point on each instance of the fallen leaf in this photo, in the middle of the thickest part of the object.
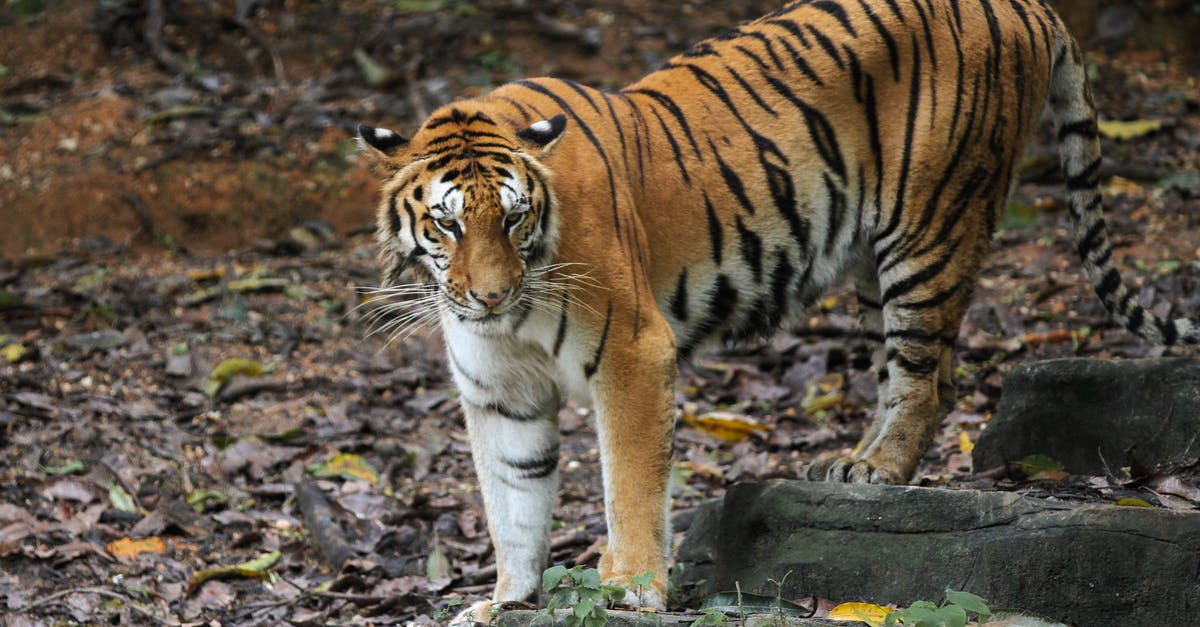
(14, 353)
(1133, 502)
(346, 466)
(858, 613)
(257, 569)
(1130, 129)
(726, 426)
(964, 442)
(130, 548)
(121, 500)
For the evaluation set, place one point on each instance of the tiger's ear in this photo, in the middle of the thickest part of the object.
(381, 145)
(544, 133)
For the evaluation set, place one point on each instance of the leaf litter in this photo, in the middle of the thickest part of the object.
(154, 464)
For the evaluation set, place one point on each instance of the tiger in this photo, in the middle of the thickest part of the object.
(578, 241)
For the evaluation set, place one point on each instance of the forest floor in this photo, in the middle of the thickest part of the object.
(147, 479)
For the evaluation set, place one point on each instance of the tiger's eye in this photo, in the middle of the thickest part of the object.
(512, 220)
(449, 225)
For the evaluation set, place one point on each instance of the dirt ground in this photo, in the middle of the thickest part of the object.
(178, 189)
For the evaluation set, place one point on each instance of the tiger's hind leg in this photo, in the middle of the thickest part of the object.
(923, 300)
(870, 320)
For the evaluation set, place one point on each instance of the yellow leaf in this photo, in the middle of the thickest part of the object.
(964, 442)
(130, 548)
(1115, 129)
(726, 426)
(14, 353)
(206, 275)
(230, 367)
(859, 612)
(1132, 502)
(346, 466)
(256, 569)
(825, 393)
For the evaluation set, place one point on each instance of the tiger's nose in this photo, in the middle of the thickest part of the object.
(490, 299)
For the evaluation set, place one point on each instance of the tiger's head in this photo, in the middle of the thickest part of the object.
(467, 205)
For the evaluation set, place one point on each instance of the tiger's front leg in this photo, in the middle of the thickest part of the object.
(633, 391)
(511, 401)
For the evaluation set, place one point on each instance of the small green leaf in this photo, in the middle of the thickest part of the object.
(643, 579)
(969, 602)
(589, 578)
(584, 608)
(552, 577)
(121, 500)
(1037, 462)
(70, 467)
(199, 500)
(1133, 502)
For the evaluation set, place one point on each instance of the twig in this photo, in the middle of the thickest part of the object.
(322, 526)
(260, 38)
(53, 598)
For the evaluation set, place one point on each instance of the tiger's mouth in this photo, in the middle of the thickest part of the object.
(478, 313)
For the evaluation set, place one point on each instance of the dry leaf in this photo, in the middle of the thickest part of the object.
(130, 548)
(726, 426)
(346, 466)
(1117, 129)
(859, 613)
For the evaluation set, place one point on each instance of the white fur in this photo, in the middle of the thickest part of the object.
(541, 126)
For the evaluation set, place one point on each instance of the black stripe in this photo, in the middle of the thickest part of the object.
(721, 304)
(1085, 128)
(769, 45)
(1085, 179)
(912, 335)
(751, 91)
(924, 366)
(908, 283)
(1170, 334)
(836, 211)
(827, 45)
(895, 9)
(590, 368)
(715, 233)
(577, 88)
(801, 63)
(673, 108)
(537, 467)
(823, 134)
(679, 300)
(1108, 284)
(561, 333)
(1092, 238)
(1137, 317)
(674, 147)
(836, 11)
(516, 415)
(914, 101)
(754, 57)
(732, 181)
(750, 246)
(869, 303)
(888, 40)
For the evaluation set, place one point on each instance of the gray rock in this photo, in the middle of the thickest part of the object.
(1096, 416)
(1084, 565)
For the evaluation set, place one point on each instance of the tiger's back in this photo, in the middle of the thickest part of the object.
(579, 240)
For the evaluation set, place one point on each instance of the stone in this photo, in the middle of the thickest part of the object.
(1096, 416)
(1081, 564)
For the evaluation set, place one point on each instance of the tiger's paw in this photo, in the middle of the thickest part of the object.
(841, 469)
(649, 598)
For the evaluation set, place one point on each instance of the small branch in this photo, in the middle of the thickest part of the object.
(54, 599)
(322, 526)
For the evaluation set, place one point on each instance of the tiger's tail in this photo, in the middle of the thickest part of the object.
(1079, 154)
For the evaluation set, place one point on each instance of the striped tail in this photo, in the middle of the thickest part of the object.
(1079, 154)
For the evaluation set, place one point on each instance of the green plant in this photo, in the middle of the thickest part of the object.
(579, 589)
(951, 613)
(446, 611)
(712, 616)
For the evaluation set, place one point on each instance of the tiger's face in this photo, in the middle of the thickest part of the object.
(468, 207)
